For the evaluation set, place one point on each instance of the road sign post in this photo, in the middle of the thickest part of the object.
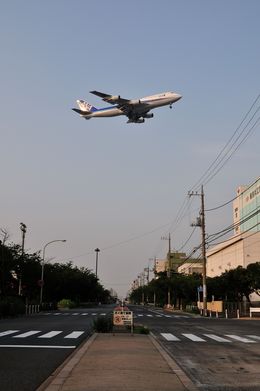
(123, 318)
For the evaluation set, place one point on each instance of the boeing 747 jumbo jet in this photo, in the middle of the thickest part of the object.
(135, 109)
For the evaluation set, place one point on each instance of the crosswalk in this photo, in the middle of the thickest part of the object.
(136, 315)
(161, 316)
(181, 337)
(74, 314)
(38, 334)
(227, 338)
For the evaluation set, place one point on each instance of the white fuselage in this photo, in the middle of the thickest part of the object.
(148, 102)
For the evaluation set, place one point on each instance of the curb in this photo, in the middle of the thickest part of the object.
(55, 381)
(184, 379)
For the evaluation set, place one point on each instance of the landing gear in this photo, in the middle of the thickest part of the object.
(170, 106)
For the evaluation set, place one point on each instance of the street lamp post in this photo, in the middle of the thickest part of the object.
(97, 250)
(23, 230)
(43, 262)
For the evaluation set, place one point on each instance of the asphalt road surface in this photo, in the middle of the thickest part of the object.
(32, 347)
(217, 354)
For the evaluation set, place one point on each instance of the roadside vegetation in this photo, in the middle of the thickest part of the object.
(231, 286)
(64, 283)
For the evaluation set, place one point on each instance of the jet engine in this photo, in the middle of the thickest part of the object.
(113, 98)
(148, 115)
(135, 101)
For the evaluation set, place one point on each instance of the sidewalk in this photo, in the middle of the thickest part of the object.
(116, 362)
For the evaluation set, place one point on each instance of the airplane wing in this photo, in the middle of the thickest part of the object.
(113, 99)
(134, 109)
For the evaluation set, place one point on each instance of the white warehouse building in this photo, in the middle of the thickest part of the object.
(244, 247)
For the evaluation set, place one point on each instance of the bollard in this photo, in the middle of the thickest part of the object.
(210, 314)
(238, 314)
(216, 314)
(226, 313)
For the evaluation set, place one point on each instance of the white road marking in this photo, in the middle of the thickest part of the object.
(38, 346)
(94, 313)
(51, 334)
(254, 337)
(27, 334)
(170, 337)
(103, 314)
(167, 316)
(74, 334)
(240, 339)
(150, 316)
(84, 313)
(75, 313)
(217, 338)
(158, 316)
(57, 313)
(8, 332)
(194, 338)
(140, 315)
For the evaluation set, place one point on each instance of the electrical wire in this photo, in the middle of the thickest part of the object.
(211, 168)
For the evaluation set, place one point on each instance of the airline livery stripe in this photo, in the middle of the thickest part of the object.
(170, 337)
(74, 334)
(217, 338)
(51, 334)
(194, 338)
(27, 334)
(8, 332)
(240, 339)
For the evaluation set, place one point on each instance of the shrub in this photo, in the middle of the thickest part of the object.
(103, 325)
(66, 303)
(11, 306)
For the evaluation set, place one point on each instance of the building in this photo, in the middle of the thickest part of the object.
(174, 260)
(160, 265)
(246, 208)
(191, 266)
(244, 247)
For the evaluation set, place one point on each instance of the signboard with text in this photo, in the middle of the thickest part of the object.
(123, 318)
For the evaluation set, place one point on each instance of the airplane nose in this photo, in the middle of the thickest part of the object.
(178, 97)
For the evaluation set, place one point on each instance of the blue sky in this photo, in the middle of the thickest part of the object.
(101, 182)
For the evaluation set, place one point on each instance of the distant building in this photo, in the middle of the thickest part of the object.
(246, 208)
(160, 265)
(191, 266)
(174, 260)
(244, 247)
(177, 262)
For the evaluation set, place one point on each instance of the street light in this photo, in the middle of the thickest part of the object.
(43, 258)
(23, 230)
(97, 251)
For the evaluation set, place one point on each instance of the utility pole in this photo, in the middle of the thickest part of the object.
(168, 267)
(201, 223)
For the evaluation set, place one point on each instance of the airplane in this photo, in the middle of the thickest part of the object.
(135, 109)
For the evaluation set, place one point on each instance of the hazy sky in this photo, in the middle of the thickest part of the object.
(104, 183)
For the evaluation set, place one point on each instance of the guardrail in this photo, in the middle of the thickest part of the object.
(32, 309)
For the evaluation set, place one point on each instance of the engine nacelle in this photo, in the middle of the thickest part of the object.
(139, 121)
(148, 115)
(113, 98)
(135, 102)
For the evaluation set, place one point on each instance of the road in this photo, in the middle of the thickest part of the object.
(217, 354)
(32, 347)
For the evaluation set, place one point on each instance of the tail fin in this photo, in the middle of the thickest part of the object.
(85, 106)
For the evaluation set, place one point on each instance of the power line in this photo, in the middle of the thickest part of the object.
(211, 168)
